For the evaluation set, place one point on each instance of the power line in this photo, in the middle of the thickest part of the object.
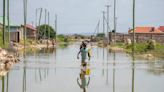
(97, 27)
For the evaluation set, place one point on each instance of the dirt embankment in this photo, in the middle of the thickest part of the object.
(7, 61)
(34, 45)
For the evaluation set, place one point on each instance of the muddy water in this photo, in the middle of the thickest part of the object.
(57, 70)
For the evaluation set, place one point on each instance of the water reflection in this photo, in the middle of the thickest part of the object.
(156, 68)
(40, 72)
(133, 71)
(107, 73)
(24, 79)
(7, 88)
(3, 84)
(112, 71)
(47, 50)
(84, 77)
(114, 58)
(63, 46)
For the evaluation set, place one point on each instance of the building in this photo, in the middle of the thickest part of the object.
(15, 33)
(143, 34)
(161, 28)
(31, 31)
(120, 37)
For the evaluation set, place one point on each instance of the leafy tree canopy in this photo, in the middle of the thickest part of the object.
(46, 31)
(100, 35)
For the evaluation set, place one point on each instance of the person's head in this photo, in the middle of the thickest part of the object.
(83, 42)
(84, 45)
(84, 64)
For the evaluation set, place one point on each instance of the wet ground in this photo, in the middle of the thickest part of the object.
(57, 70)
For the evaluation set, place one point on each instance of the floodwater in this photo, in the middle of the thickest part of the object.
(57, 70)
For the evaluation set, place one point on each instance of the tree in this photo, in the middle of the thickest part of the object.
(46, 31)
(101, 35)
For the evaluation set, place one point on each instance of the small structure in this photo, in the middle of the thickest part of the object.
(30, 31)
(14, 30)
(143, 34)
(119, 37)
(161, 28)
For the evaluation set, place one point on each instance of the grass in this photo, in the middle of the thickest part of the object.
(142, 48)
(28, 42)
(1, 41)
(62, 38)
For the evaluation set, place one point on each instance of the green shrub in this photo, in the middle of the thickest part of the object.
(151, 45)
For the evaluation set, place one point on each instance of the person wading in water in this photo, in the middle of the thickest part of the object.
(84, 53)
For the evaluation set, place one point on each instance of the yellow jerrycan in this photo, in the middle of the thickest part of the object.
(88, 71)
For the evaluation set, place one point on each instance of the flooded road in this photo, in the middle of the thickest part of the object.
(57, 70)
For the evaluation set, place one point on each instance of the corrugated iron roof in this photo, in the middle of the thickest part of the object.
(161, 28)
(146, 30)
(29, 26)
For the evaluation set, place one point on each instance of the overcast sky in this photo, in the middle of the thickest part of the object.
(81, 16)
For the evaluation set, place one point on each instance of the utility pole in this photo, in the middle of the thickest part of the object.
(25, 17)
(114, 21)
(39, 22)
(103, 26)
(107, 23)
(49, 25)
(36, 15)
(56, 27)
(98, 27)
(4, 24)
(103, 22)
(8, 18)
(45, 28)
(133, 27)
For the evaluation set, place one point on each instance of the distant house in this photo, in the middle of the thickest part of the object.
(143, 34)
(120, 37)
(161, 28)
(14, 30)
(30, 31)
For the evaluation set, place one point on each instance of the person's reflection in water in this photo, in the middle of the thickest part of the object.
(85, 80)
